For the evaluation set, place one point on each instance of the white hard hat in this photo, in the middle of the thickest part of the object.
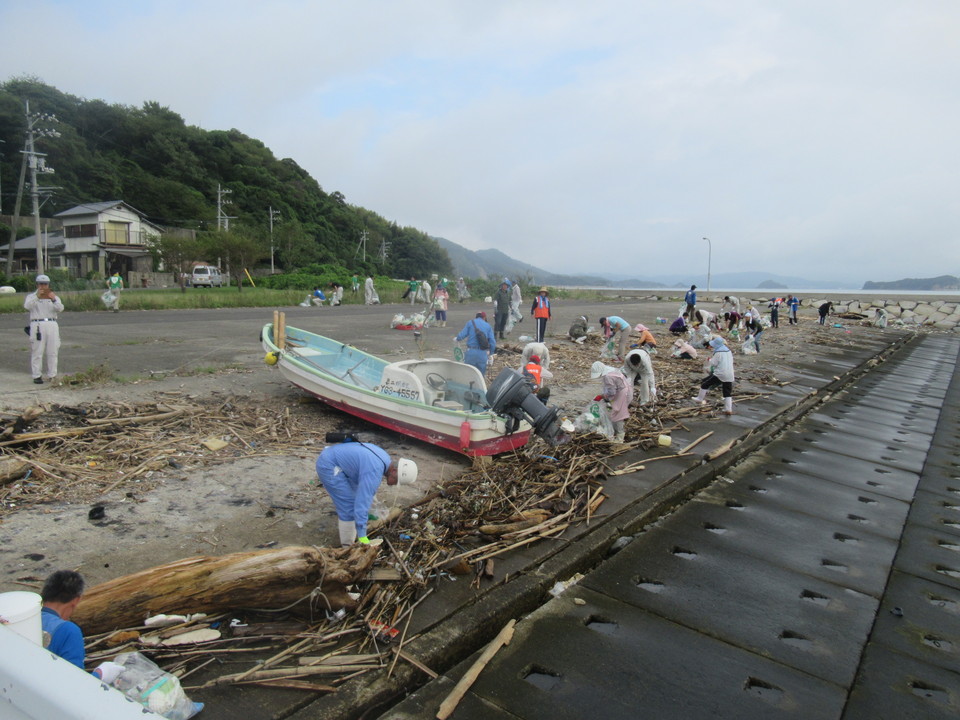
(43, 279)
(406, 471)
(598, 369)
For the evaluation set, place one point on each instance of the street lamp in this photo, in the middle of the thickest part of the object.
(709, 255)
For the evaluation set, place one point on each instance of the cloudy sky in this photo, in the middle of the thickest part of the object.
(811, 138)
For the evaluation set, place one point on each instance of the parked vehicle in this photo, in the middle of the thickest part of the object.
(206, 276)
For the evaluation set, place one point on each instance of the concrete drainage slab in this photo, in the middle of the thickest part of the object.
(884, 433)
(753, 603)
(849, 414)
(892, 685)
(889, 454)
(853, 508)
(861, 474)
(570, 661)
(806, 544)
(929, 512)
(921, 619)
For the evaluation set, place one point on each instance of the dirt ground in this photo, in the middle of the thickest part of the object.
(204, 502)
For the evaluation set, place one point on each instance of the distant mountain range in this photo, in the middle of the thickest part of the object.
(943, 282)
(494, 264)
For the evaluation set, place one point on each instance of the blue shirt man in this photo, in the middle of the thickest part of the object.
(351, 472)
(691, 300)
(476, 355)
(61, 594)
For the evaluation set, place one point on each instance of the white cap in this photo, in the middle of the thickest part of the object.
(43, 279)
(598, 369)
(406, 471)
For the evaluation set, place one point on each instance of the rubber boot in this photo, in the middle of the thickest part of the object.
(348, 532)
(618, 438)
(728, 406)
(701, 397)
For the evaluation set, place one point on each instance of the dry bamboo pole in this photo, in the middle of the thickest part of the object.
(696, 442)
(460, 689)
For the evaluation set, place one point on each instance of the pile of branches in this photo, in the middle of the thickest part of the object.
(79, 453)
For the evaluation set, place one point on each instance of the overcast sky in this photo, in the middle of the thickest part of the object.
(812, 138)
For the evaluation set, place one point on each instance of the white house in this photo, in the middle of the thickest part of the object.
(99, 238)
(105, 237)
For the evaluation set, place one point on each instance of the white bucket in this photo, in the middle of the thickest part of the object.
(20, 611)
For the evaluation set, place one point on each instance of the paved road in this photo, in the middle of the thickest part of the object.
(141, 343)
(820, 578)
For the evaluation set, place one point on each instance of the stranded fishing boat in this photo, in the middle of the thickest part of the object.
(439, 401)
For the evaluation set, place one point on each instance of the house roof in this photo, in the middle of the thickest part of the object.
(101, 207)
(54, 242)
(96, 208)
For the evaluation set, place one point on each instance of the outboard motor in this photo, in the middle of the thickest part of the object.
(511, 395)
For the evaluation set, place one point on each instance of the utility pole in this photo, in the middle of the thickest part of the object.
(361, 247)
(38, 164)
(272, 213)
(223, 220)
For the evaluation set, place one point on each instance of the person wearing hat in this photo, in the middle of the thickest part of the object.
(647, 340)
(478, 333)
(615, 326)
(351, 472)
(720, 372)
(44, 308)
(691, 300)
(540, 310)
(615, 391)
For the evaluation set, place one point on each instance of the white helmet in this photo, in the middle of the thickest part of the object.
(598, 369)
(43, 279)
(406, 471)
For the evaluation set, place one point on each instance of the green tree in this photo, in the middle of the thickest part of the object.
(239, 249)
(176, 251)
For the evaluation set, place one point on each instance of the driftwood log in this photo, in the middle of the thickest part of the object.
(267, 579)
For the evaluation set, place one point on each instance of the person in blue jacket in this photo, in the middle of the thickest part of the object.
(476, 354)
(61, 594)
(691, 300)
(351, 472)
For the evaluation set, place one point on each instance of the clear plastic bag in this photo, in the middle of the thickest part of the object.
(595, 418)
(108, 298)
(159, 691)
(749, 346)
(609, 351)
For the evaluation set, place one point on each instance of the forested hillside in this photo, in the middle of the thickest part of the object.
(149, 158)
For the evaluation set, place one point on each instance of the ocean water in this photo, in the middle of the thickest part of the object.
(953, 295)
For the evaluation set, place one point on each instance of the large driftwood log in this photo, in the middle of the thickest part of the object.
(269, 579)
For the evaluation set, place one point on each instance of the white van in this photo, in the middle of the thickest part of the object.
(206, 276)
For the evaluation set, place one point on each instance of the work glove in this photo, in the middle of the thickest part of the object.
(108, 671)
(598, 398)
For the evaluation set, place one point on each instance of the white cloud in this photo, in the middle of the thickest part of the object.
(806, 137)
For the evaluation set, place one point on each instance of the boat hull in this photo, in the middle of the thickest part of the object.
(470, 433)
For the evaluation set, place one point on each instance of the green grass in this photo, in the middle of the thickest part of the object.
(193, 298)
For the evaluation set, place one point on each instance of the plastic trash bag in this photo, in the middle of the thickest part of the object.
(595, 418)
(749, 346)
(609, 351)
(159, 691)
(108, 298)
